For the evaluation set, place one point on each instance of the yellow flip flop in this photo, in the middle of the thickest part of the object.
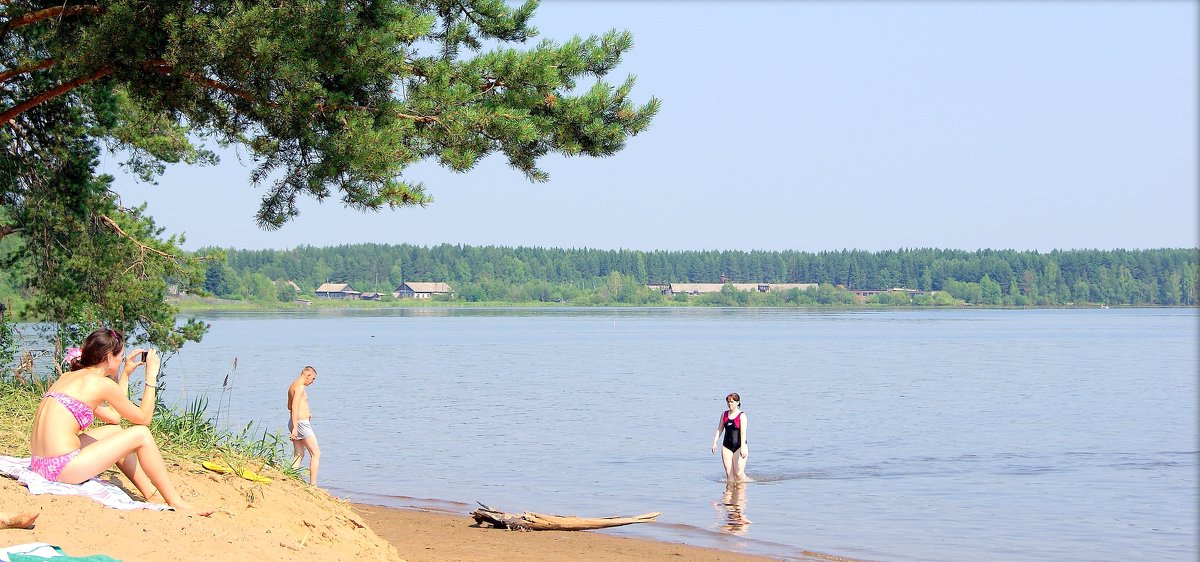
(217, 467)
(244, 473)
(253, 476)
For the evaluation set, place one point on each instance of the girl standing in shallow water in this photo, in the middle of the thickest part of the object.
(62, 447)
(735, 450)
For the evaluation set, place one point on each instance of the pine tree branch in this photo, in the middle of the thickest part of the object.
(492, 84)
(470, 15)
(140, 262)
(14, 72)
(341, 107)
(20, 139)
(52, 93)
(113, 225)
(165, 67)
(47, 13)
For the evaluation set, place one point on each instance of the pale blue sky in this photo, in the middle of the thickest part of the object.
(819, 126)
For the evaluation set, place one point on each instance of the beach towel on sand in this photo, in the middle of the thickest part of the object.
(104, 492)
(36, 551)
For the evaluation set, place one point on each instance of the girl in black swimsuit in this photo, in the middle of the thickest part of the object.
(735, 449)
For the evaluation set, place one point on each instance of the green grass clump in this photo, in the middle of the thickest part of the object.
(18, 402)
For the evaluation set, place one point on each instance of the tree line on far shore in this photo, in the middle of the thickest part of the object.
(596, 277)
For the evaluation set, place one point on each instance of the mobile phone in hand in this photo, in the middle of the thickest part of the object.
(144, 355)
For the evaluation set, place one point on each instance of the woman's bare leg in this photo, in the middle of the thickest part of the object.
(739, 467)
(98, 456)
(128, 465)
(727, 460)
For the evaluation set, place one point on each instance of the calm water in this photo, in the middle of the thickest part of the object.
(888, 435)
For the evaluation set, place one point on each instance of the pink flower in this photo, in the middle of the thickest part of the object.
(72, 354)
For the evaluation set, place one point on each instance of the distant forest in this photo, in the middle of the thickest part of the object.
(591, 277)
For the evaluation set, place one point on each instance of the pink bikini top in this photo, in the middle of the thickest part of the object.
(83, 414)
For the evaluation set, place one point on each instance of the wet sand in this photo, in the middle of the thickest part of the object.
(434, 536)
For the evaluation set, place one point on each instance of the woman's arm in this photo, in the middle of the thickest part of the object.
(118, 398)
(108, 413)
(717, 435)
(130, 365)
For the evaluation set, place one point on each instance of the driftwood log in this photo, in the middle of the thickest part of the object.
(528, 521)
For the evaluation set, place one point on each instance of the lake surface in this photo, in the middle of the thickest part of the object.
(881, 434)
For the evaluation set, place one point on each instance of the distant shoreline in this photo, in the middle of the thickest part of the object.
(223, 305)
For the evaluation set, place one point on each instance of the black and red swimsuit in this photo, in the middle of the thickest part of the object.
(733, 431)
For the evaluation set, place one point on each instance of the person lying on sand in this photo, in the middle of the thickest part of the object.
(62, 447)
(17, 520)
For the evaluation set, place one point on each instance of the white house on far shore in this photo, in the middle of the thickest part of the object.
(419, 290)
(336, 291)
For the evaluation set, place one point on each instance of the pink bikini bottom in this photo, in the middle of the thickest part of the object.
(50, 467)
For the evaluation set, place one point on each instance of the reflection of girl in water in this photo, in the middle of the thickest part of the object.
(734, 504)
(735, 448)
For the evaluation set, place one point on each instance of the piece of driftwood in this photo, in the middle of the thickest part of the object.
(528, 521)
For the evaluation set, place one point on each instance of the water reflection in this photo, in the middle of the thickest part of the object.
(733, 504)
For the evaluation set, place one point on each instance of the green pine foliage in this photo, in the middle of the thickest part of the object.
(328, 98)
(331, 98)
(72, 255)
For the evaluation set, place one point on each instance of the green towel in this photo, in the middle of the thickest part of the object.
(42, 552)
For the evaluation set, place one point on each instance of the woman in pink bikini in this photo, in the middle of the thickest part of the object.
(64, 450)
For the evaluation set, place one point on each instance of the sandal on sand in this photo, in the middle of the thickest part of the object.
(217, 467)
(244, 473)
(253, 476)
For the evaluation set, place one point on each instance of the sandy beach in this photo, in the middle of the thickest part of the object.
(286, 520)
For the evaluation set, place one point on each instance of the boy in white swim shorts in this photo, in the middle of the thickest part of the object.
(300, 423)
